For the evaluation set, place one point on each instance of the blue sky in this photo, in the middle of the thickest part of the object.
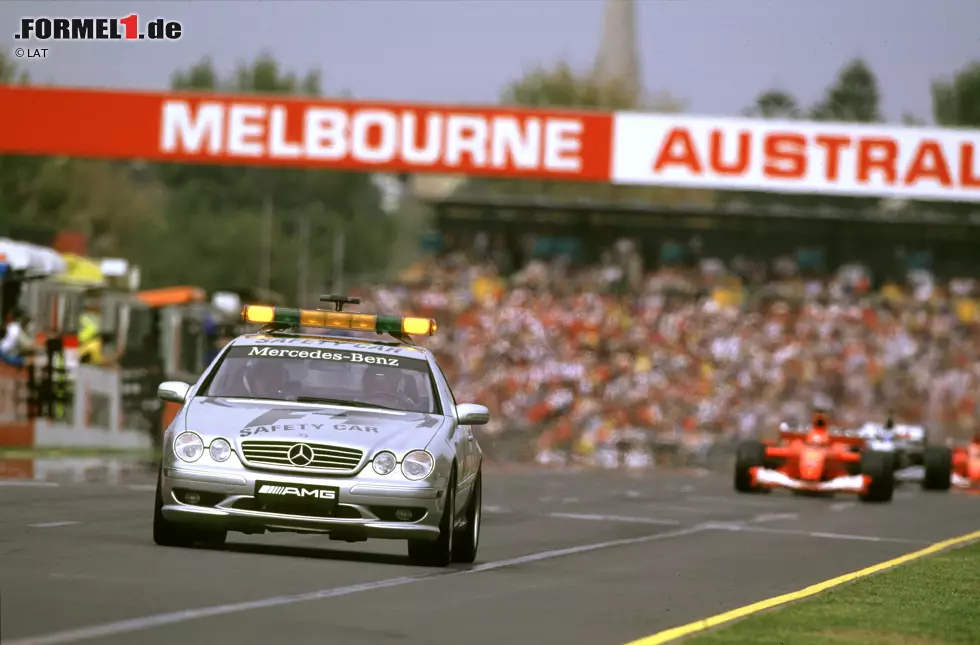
(714, 54)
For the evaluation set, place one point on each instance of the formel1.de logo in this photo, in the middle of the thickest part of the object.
(81, 29)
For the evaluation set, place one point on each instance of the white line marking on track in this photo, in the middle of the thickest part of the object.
(738, 527)
(841, 506)
(28, 483)
(657, 506)
(613, 518)
(142, 487)
(159, 620)
(732, 501)
(495, 509)
(774, 517)
(47, 525)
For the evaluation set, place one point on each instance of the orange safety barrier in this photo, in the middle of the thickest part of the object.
(168, 296)
(16, 427)
(18, 468)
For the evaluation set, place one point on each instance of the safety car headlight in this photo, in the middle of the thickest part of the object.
(220, 450)
(188, 446)
(417, 464)
(384, 463)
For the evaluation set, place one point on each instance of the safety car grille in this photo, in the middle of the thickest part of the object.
(276, 453)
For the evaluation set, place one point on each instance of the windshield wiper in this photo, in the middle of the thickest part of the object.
(316, 399)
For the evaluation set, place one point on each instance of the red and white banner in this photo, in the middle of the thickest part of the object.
(799, 157)
(253, 130)
(619, 148)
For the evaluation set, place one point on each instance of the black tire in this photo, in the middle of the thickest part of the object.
(938, 464)
(749, 454)
(466, 544)
(440, 552)
(167, 533)
(880, 466)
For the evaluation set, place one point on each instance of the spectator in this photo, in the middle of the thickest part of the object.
(17, 344)
(693, 353)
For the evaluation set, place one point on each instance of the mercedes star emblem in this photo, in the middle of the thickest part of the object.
(300, 455)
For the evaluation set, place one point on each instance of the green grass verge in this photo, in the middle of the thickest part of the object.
(932, 601)
(52, 453)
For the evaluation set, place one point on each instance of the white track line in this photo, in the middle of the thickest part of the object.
(774, 517)
(158, 620)
(47, 525)
(27, 483)
(657, 506)
(729, 502)
(613, 518)
(737, 527)
(142, 487)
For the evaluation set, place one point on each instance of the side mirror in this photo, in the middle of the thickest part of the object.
(471, 414)
(173, 391)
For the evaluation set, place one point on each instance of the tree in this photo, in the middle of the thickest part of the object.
(41, 195)
(912, 121)
(854, 97)
(774, 104)
(222, 205)
(956, 102)
(563, 87)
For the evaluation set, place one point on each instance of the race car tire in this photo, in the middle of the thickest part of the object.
(748, 455)
(466, 544)
(938, 464)
(440, 552)
(167, 533)
(880, 466)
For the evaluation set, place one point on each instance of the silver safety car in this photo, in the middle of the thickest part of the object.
(290, 429)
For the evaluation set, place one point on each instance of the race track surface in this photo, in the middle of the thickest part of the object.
(597, 558)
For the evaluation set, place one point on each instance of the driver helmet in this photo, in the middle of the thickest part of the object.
(819, 433)
(890, 423)
(265, 379)
(380, 381)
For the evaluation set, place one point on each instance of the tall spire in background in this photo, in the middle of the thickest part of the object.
(618, 61)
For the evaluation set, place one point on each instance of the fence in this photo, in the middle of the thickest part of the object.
(37, 411)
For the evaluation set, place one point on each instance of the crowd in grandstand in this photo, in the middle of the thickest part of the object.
(572, 355)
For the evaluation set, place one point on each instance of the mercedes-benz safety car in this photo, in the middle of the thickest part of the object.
(291, 429)
(947, 467)
(815, 461)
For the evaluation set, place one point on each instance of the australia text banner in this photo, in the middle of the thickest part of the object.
(306, 133)
(797, 157)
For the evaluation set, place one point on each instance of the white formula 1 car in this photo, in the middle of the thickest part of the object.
(906, 442)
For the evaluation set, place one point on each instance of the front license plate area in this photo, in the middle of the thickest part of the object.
(295, 499)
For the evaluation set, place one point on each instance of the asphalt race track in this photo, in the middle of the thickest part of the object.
(566, 557)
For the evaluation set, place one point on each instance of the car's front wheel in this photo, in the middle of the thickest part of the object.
(167, 533)
(469, 541)
(440, 552)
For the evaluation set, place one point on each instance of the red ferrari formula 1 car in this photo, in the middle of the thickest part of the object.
(816, 461)
(949, 467)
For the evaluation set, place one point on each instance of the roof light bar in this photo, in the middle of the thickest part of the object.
(261, 314)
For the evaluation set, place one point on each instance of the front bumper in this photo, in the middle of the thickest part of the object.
(365, 508)
(768, 478)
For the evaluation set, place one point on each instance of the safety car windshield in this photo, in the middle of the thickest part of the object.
(331, 376)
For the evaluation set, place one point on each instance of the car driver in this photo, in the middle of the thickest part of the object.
(819, 433)
(383, 384)
(265, 379)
